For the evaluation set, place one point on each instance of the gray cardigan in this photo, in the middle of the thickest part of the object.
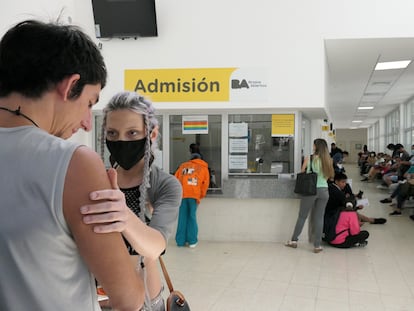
(165, 197)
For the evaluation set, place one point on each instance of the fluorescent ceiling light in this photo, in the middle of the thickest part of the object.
(365, 108)
(353, 128)
(392, 65)
(357, 121)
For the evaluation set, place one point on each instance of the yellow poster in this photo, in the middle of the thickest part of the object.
(181, 85)
(283, 125)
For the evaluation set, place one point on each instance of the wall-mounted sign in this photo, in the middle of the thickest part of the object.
(198, 84)
(283, 125)
(195, 124)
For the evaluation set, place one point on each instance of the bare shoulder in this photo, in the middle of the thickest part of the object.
(86, 173)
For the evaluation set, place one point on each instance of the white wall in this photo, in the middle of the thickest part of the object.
(285, 37)
(347, 139)
(269, 220)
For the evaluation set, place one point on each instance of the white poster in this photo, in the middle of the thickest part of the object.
(238, 129)
(238, 145)
(238, 162)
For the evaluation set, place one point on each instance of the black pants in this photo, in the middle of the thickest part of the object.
(351, 240)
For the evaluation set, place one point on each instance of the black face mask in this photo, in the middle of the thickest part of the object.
(127, 153)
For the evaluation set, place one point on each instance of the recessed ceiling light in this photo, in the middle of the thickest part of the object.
(356, 121)
(381, 82)
(374, 93)
(392, 65)
(366, 108)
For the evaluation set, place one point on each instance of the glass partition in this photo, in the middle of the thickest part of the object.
(202, 130)
(253, 150)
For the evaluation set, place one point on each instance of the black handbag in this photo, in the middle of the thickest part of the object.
(306, 182)
(176, 300)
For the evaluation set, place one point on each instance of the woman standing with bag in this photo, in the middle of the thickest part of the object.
(322, 165)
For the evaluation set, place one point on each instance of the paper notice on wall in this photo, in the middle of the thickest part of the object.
(238, 145)
(238, 129)
(237, 162)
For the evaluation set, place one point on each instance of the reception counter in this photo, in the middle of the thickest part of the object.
(256, 186)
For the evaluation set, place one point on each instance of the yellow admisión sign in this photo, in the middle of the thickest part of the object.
(181, 85)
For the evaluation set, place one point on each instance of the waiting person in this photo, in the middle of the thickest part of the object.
(334, 150)
(369, 162)
(341, 194)
(381, 166)
(152, 196)
(338, 160)
(349, 233)
(195, 148)
(322, 165)
(362, 157)
(194, 178)
(402, 192)
(50, 77)
(402, 164)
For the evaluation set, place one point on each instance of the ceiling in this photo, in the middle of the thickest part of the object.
(353, 82)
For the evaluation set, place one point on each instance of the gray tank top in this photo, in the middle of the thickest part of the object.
(40, 267)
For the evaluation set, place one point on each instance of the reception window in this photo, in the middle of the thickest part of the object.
(255, 147)
(203, 130)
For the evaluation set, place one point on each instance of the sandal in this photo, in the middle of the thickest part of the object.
(292, 244)
(317, 249)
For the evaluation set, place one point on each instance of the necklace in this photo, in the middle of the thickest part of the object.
(17, 112)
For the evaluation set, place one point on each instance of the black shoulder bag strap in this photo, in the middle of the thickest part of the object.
(311, 163)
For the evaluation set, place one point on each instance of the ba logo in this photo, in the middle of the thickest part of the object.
(237, 84)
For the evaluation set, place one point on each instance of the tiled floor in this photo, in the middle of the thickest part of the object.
(269, 276)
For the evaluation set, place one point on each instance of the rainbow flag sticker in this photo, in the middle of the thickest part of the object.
(195, 125)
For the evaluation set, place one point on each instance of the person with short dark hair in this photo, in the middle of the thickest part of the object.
(194, 177)
(340, 193)
(342, 200)
(195, 148)
(51, 76)
(334, 150)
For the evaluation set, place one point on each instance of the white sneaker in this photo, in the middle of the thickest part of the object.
(192, 245)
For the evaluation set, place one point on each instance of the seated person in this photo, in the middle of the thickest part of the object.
(402, 164)
(349, 232)
(362, 157)
(404, 190)
(381, 166)
(338, 159)
(340, 193)
(370, 162)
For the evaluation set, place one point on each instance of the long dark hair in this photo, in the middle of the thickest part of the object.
(322, 151)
